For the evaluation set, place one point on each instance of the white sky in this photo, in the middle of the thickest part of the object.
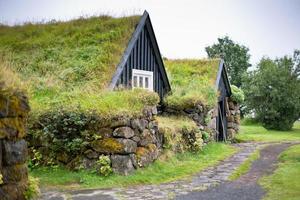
(184, 28)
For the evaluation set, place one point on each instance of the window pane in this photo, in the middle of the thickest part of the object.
(146, 82)
(141, 82)
(134, 81)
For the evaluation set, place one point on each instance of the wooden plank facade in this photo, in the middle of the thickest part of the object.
(223, 85)
(142, 53)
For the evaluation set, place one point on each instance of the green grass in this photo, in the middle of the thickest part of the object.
(284, 183)
(176, 123)
(105, 103)
(187, 74)
(245, 166)
(255, 132)
(64, 64)
(177, 167)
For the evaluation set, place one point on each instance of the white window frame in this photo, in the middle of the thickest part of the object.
(142, 74)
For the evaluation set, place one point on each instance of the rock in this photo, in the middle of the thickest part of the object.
(124, 132)
(88, 163)
(12, 128)
(136, 139)
(129, 146)
(13, 191)
(146, 155)
(230, 118)
(122, 164)
(120, 122)
(114, 145)
(231, 105)
(230, 124)
(14, 173)
(91, 154)
(199, 108)
(139, 124)
(105, 132)
(147, 138)
(15, 152)
(13, 105)
(134, 160)
(153, 125)
(148, 112)
(154, 110)
(107, 145)
(231, 133)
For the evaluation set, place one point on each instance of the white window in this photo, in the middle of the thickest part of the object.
(142, 79)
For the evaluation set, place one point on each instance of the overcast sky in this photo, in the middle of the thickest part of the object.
(184, 28)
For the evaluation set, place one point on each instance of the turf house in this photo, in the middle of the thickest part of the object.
(94, 86)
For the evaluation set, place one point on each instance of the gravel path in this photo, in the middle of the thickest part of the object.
(181, 189)
(246, 187)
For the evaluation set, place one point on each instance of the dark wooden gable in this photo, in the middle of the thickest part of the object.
(223, 86)
(222, 82)
(142, 53)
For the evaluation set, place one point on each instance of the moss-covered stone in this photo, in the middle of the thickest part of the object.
(15, 152)
(107, 145)
(146, 155)
(13, 104)
(13, 191)
(12, 127)
(15, 173)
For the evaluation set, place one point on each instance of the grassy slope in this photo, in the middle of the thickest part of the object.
(179, 166)
(255, 132)
(176, 122)
(284, 183)
(68, 64)
(186, 75)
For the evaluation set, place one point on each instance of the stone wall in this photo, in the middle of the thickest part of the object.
(129, 142)
(201, 115)
(13, 148)
(206, 119)
(233, 118)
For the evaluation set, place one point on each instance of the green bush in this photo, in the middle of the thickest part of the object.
(237, 94)
(62, 129)
(273, 92)
(103, 165)
(32, 192)
(205, 136)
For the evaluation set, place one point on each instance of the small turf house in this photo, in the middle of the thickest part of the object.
(141, 65)
(201, 82)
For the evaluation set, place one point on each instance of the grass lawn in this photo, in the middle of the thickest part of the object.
(245, 166)
(176, 167)
(255, 132)
(284, 183)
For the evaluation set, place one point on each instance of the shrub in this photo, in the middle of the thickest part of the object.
(63, 130)
(237, 94)
(32, 192)
(205, 136)
(103, 165)
(180, 134)
(273, 92)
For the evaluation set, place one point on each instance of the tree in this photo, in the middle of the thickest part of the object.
(273, 92)
(236, 58)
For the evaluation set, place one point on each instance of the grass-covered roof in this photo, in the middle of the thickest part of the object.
(193, 82)
(70, 63)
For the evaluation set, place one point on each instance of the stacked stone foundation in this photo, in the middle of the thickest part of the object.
(233, 119)
(129, 142)
(13, 148)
